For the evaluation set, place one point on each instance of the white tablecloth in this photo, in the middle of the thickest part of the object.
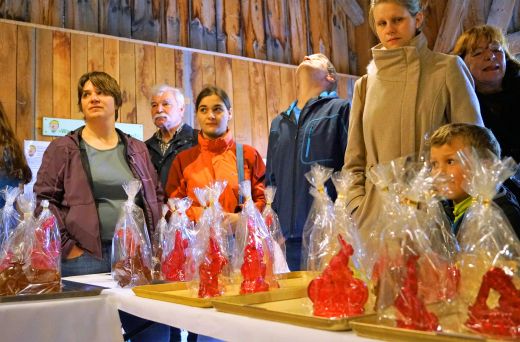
(72, 319)
(210, 322)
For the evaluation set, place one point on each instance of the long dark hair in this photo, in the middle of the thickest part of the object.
(12, 159)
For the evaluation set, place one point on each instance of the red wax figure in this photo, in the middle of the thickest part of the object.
(45, 249)
(255, 265)
(210, 269)
(174, 265)
(503, 320)
(412, 312)
(336, 293)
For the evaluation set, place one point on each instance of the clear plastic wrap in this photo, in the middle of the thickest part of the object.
(490, 251)
(131, 246)
(212, 247)
(273, 225)
(415, 249)
(177, 263)
(157, 243)
(254, 247)
(30, 256)
(9, 218)
(340, 290)
(319, 226)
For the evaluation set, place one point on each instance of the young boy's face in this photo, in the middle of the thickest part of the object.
(444, 160)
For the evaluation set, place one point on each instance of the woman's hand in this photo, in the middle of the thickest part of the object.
(75, 252)
(231, 220)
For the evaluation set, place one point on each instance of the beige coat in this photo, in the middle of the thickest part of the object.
(410, 92)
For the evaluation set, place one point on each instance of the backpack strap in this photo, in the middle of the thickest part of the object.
(240, 168)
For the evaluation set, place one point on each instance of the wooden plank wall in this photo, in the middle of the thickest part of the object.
(41, 67)
(282, 31)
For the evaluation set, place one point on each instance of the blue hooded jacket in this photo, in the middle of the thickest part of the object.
(319, 136)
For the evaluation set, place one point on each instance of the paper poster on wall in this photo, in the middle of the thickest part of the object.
(58, 127)
(34, 154)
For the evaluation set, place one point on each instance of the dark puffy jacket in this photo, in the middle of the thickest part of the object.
(186, 138)
(320, 136)
(65, 181)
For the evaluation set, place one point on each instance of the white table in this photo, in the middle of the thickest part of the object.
(72, 319)
(210, 322)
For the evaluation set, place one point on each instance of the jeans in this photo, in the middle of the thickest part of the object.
(87, 263)
(293, 250)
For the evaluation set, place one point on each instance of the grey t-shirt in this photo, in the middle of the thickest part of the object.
(109, 171)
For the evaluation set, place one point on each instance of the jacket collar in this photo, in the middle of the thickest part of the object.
(218, 145)
(323, 94)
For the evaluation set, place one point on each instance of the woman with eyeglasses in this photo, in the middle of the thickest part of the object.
(497, 82)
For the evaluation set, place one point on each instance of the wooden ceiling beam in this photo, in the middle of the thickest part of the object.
(451, 26)
(513, 40)
(353, 11)
(501, 13)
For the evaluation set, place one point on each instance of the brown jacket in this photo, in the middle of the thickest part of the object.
(410, 91)
(65, 181)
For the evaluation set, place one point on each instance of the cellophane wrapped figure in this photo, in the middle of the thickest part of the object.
(340, 290)
(254, 252)
(30, 256)
(320, 223)
(490, 251)
(131, 246)
(415, 249)
(177, 263)
(9, 217)
(157, 243)
(273, 225)
(212, 247)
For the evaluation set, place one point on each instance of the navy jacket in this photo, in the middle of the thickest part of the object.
(186, 138)
(320, 136)
(504, 199)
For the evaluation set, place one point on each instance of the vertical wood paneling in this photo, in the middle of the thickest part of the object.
(14, 9)
(319, 26)
(232, 27)
(277, 44)
(224, 80)
(78, 66)
(127, 82)
(43, 79)
(111, 57)
(366, 40)
(342, 87)
(95, 56)
(82, 15)
(258, 105)
(288, 85)
(47, 12)
(219, 25)
(273, 89)
(208, 69)
(433, 14)
(298, 30)
(176, 14)
(8, 70)
(146, 20)
(183, 81)
(165, 66)
(252, 14)
(339, 55)
(25, 83)
(203, 32)
(241, 101)
(115, 18)
(145, 79)
(61, 90)
(196, 81)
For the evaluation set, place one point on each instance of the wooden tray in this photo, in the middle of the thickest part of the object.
(288, 305)
(180, 292)
(69, 289)
(369, 327)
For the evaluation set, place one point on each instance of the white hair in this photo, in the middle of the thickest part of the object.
(160, 89)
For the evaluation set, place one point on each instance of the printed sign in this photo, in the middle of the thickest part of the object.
(34, 154)
(58, 127)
